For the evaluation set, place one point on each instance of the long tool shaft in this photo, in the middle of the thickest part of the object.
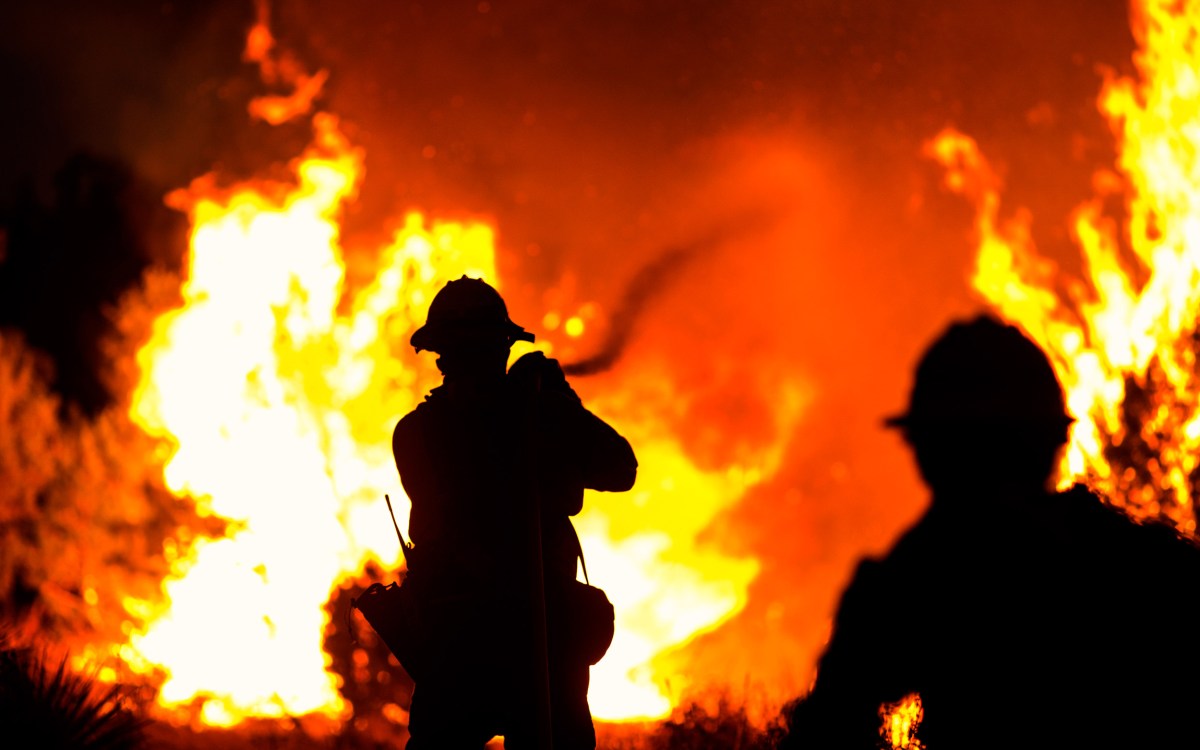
(535, 577)
(405, 547)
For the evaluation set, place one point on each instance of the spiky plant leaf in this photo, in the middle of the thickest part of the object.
(51, 706)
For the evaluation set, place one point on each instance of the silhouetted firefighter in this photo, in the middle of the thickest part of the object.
(1020, 616)
(495, 463)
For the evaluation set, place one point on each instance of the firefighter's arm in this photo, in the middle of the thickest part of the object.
(416, 477)
(607, 461)
(604, 459)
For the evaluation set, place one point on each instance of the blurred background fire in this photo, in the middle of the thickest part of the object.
(220, 222)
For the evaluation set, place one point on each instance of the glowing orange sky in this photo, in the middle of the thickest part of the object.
(594, 136)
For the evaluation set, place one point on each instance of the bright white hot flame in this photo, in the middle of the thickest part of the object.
(276, 390)
(279, 412)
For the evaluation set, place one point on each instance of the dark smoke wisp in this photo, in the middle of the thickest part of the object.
(653, 278)
(650, 282)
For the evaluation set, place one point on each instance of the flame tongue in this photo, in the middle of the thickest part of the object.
(1124, 351)
(278, 409)
(275, 391)
(279, 414)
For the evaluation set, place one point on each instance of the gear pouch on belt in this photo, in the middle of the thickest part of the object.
(585, 617)
(589, 621)
(394, 613)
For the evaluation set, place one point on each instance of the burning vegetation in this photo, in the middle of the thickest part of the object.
(1123, 336)
(267, 385)
(197, 524)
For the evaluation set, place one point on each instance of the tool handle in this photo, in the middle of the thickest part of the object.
(405, 546)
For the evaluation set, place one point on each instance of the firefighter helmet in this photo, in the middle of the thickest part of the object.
(464, 311)
(984, 372)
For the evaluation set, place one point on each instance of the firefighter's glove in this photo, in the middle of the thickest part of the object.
(537, 373)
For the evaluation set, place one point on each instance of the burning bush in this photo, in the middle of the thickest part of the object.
(84, 519)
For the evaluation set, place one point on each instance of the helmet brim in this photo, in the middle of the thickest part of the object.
(433, 337)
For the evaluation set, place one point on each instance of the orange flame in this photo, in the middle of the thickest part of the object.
(281, 68)
(278, 411)
(274, 389)
(1122, 341)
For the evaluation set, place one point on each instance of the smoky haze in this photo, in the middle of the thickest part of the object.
(616, 147)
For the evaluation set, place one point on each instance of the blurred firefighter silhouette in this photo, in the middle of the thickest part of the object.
(495, 463)
(1018, 615)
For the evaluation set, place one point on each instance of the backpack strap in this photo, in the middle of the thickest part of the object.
(579, 551)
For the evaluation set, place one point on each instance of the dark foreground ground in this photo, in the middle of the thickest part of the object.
(694, 728)
(45, 704)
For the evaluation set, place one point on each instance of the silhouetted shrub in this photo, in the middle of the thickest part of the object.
(47, 705)
(696, 727)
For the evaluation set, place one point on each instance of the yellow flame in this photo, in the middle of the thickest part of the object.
(279, 412)
(1130, 321)
(901, 721)
(276, 389)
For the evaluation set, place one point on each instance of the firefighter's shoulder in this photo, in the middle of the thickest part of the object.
(409, 430)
